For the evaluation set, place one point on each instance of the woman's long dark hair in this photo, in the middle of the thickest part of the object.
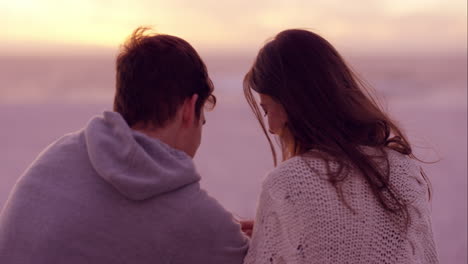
(329, 109)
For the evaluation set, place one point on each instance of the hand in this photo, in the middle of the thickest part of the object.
(247, 227)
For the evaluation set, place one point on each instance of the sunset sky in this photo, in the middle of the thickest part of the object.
(361, 25)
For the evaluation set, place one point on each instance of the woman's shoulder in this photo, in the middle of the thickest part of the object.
(285, 168)
(405, 173)
(312, 162)
(407, 176)
(297, 172)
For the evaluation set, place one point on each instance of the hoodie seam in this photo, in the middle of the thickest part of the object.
(130, 164)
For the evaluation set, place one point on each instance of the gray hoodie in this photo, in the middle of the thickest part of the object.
(109, 194)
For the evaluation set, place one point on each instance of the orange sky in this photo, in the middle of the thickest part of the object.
(361, 25)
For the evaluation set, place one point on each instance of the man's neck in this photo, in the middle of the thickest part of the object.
(167, 135)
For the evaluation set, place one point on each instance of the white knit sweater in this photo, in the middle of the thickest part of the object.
(301, 219)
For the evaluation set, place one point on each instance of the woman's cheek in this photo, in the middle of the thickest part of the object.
(273, 124)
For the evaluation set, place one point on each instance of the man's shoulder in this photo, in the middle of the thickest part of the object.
(59, 156)
(66, 144)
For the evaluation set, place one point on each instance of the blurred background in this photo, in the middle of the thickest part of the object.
(57, 71)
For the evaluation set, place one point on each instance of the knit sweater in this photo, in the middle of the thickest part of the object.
(302, 219)
(110, 195)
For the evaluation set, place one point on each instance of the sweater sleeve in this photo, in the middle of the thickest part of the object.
(278, 230)
(288, 217)
(267, 239)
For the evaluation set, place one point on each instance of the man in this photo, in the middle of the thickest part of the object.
(124, 189)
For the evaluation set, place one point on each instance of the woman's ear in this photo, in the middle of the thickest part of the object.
(188, 111)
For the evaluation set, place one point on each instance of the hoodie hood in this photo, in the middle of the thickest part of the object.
(138, 166)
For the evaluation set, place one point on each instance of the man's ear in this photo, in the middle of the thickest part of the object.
(188, 111)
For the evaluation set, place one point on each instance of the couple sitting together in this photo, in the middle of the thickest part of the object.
(124, 189)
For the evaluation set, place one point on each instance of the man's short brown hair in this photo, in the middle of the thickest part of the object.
(155, 74)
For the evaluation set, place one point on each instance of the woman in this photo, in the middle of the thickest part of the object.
(348, 189)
